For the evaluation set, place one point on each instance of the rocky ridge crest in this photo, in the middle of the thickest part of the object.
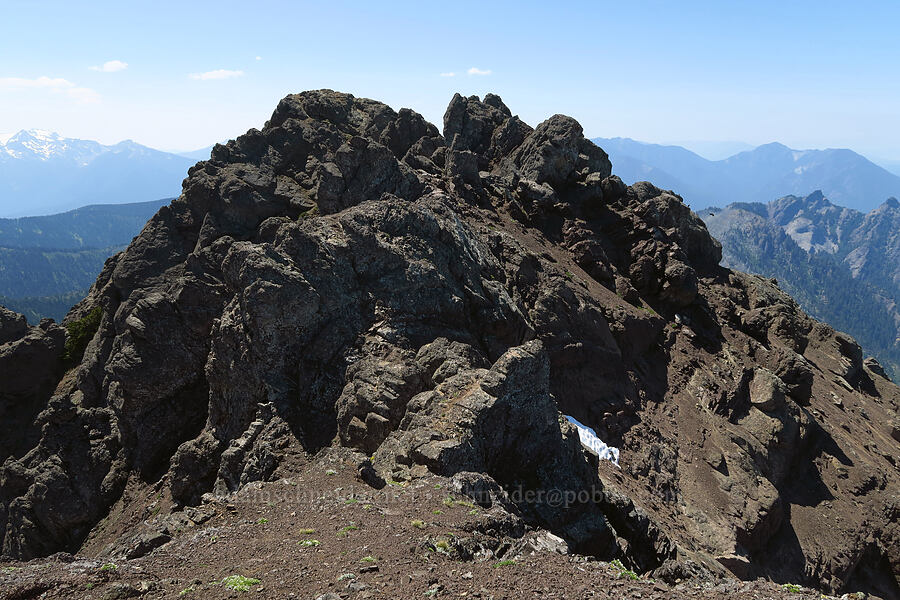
(350, 276)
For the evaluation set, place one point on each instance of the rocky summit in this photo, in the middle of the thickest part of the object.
(350, 298)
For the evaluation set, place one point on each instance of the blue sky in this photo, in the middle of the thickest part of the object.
(808, 74)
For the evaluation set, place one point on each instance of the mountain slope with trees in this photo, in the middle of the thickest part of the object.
(48, 263)
(841, 265)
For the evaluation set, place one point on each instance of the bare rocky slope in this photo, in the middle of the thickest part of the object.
(429, 305)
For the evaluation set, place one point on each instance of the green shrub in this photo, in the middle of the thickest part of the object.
(621, 571)
(80, 333)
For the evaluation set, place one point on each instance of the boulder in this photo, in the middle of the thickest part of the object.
(767, 391)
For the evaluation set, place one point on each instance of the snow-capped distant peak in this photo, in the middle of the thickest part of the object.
(37, 141)
(43, 145)
(4, 137)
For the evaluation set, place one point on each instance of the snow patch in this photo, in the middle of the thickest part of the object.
(593, 443)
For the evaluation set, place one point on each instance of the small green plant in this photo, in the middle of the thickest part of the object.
(185, 591)
(474, 511)
(367, 507)
(450, 502)
(347, 529)
(262, 521)
(368, 559)
(309, 543)
(89, 586)
(239, 583)
(417, 524)
(437, 486)
(621, 571)
(792, 588)
(442, 546)
(351, 501)
(307, 531)
(430, 592)
(109, 567)
(503, 563)
(437, 511)
(79, 333)
(346, 576)
(330, 472)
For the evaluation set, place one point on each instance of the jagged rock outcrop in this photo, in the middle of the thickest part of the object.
(346, 275)
(31, 365)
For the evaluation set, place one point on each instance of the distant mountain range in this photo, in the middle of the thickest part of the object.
(842, 265)
(768, 171)
(42, 173)
(48, 262)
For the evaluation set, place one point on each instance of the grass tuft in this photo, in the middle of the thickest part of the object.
(239, 583)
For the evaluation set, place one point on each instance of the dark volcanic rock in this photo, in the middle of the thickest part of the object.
(469, 124)
(31, 365)
(502, 421)
(348, 276)
(12, 326)
(557, 153)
